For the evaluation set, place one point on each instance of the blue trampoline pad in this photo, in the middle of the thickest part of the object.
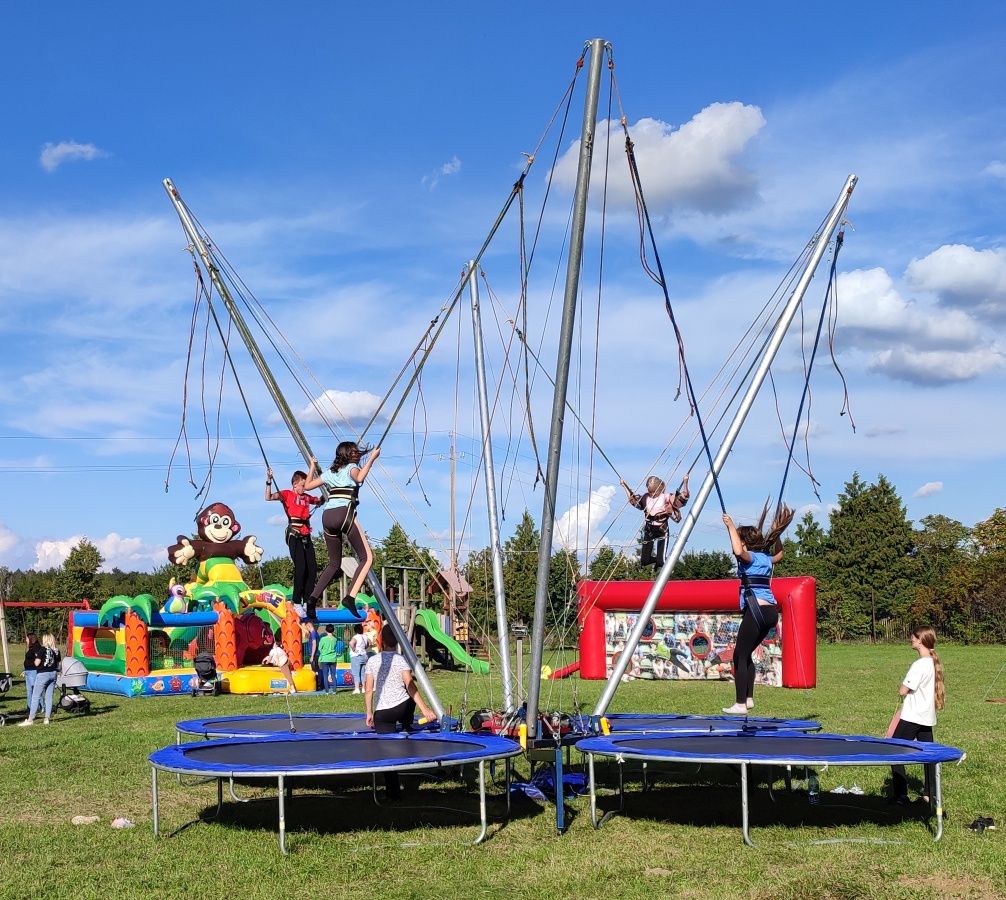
(645, 722)
(278, 724)
(779, 748)
(329, 754)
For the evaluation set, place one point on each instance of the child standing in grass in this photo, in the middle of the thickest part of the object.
(328, 657)
(922, 694)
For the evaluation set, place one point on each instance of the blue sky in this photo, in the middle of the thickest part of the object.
(348, 161)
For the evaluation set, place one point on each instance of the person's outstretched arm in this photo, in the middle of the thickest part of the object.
(269, 493)
(739, 550)
(360, 473)
(313, 477)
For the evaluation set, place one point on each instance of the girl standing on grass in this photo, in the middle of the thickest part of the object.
(756, 555)
(922, 694)
(46, 666)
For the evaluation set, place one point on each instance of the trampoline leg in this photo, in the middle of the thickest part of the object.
(482, 803)
(560, 798)
(281, 790)
(938, 798)
(508, 778)
(744, 806)
(373, 789)
(646, 778)
(230, 788)
(153, 790)
(593, 793)
(220, 798)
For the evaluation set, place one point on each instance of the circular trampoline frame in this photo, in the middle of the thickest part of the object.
(177, 759)
(620, 748)
(663, 723)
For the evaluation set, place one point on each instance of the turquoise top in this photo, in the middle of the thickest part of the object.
(340, 479)
(759, 576)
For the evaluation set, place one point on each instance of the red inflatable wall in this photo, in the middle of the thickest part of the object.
(797, 599)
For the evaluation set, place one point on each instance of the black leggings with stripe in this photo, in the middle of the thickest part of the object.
(756, 623)
(333, 521)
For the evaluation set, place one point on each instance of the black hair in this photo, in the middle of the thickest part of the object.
(344, 455)
(330, 629)
(357, 628)
(389, 640)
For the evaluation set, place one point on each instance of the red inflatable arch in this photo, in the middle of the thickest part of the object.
(797, 599)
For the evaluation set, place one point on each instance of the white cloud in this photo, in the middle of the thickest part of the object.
(338, 407)
(963, 277)
(451, 167)
(8, 539)
(570, 530)
(694, 167)
(54, 155)
(929, 488)
(914, 341)
(997, 169)
(126, 553)
(934, 367)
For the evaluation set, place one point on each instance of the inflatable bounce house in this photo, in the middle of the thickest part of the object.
(693, 630)
(135, 646)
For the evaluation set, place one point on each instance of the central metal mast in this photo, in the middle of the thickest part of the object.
(373, 582)
(496, 548)
(597, 48)
(820, 242)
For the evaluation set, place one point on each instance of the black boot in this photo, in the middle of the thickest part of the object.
(349, 602)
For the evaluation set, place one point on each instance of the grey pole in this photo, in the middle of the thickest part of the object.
(502, 629)
(820, 242)
(199, 245)
(597, 47)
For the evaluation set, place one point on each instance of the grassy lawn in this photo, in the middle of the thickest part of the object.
(681, 839)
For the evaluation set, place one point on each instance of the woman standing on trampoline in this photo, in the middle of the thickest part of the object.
(922, 694)
(756, 555)
(343, 482)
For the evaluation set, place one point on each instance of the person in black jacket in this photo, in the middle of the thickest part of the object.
(46, 667)
(32, 649)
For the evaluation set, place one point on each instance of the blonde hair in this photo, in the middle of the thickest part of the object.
(927, 637)
(49, 641)
(655, 485)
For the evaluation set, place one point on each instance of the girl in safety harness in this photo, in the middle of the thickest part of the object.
(297, 505)
(756, 555)
(658, 506)
(343, 482)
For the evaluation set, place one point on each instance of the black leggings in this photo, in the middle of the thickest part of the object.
(912, 731)
(757, 622)
(305, 567)
(387, 721)
(333, 521)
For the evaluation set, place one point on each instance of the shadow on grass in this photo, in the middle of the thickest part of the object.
(711, 798)
(339, 806)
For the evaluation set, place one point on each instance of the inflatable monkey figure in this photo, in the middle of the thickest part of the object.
(216, 546)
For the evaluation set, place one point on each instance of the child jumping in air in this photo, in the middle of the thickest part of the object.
(756, 554)
(658, 506)
(922, 694)
(343, 482)
(297, 505)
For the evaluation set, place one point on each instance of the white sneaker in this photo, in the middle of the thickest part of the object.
(25, 722)
(45, 721)
(857, 790)
(841, 789)
(293, 690)
(738, 709)
(749, 703)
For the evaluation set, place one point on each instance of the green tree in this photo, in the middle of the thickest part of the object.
(398, 549)
(607, 565)
(520, 569)
(563, 576)
(869, 563)
(277, 570)
(704, 565)
(77, 577)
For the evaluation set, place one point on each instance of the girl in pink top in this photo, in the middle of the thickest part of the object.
(658, 506)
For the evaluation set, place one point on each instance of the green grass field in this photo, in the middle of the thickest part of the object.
(682, 839)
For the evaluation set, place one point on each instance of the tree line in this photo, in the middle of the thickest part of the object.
(870, 563)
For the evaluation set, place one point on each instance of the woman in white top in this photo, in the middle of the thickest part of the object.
(358, 646)
(922, 692)
(392, 696)
(338, 519)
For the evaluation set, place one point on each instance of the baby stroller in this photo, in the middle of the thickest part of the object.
(6, 680)
(205, 681)
(72, 677)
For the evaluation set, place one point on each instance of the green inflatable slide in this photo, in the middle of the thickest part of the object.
(443, 648)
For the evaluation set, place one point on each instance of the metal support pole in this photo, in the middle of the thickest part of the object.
(153, 791)
(782, 325)
(200, 247)
(502, 630)
(597, 47)
(281, 790)
(744, 806)
(482, 803)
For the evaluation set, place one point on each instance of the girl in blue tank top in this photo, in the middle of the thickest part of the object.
(757, 554)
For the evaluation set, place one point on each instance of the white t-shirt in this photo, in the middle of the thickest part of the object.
(358, 645)
(387, 670)
(276, 657)
(919, 705)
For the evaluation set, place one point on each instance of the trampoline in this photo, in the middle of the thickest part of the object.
(649, 722)
(285, 758)
(765, 749)
(279, 724)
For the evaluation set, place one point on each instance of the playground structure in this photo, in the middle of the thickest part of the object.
(703, 651)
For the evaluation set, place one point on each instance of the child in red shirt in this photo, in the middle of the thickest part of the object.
(297, 504)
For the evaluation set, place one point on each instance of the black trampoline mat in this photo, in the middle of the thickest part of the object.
(281, 724)
(735, 745)
(327, 754)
